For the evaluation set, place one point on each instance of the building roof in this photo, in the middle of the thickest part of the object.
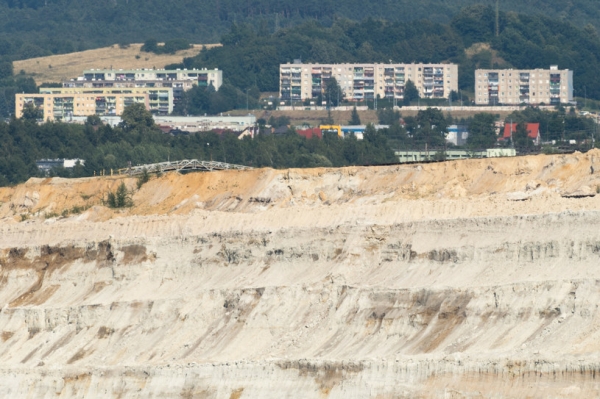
(309, 133)
(533, 130)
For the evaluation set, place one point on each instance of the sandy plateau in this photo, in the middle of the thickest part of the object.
(476, 279)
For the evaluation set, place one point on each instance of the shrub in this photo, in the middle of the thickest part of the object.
(120, 198)
(143, 178)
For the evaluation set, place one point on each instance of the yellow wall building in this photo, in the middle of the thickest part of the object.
(160, 99)
(61, 106)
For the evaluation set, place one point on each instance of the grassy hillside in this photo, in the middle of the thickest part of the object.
(56, 68)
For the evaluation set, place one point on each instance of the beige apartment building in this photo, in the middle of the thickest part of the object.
(530, 86)
(59, 106)
(361, 82)
(160, 99)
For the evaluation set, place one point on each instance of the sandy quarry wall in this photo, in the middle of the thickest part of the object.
(461, 279)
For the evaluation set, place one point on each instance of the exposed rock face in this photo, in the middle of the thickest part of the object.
(312, 284)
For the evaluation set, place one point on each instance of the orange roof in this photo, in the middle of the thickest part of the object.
(533, 130)
(309, 133)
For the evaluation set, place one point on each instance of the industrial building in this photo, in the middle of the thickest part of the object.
(360, 82)
(62, 107)
(46, 165)
(523, 86)
(426, 156)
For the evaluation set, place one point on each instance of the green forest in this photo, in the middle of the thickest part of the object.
(31, 28)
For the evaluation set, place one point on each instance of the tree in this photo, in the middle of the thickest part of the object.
(119, 199)
(93, 120)
(454, 96)
(431, 128)
(150, 46)
(411, 92)
(388, 116)
(136, 116)
(482, 131)
(333, 92)
(521, 138)
(32, 113)
(354, 118)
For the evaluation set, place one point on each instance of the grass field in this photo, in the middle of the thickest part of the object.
(56, 68)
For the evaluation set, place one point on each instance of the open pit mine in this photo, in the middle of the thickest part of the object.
(476, 279)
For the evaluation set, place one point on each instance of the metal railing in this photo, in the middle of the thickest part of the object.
(186, 164)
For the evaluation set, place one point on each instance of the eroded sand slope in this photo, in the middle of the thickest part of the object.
(461, 279)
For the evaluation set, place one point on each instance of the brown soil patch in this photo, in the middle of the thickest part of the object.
(104, 332)
(6, 335)
(135, 254)
(81, 353)
(236, 394)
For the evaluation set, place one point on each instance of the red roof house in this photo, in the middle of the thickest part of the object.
(309, 133)
(533, 131)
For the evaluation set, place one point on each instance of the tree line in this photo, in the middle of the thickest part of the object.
(138, 141)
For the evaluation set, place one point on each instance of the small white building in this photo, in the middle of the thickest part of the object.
(46, 165)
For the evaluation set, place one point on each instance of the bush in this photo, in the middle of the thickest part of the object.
(170, 46)
(120, 198)
(143, 178)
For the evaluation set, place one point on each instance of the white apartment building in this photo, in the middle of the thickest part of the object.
(360, 82)
(202, 77)
(530, 86)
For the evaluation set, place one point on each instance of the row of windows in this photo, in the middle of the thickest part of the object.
(531, 88)
(510, 81)
(510, 74)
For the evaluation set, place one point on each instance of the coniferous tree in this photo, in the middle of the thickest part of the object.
(354, 118)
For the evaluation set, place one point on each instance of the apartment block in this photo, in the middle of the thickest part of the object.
(201, 77)
(60, 106)
(361, 82)
(529, 86)
(160, 99)
(178, 86)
